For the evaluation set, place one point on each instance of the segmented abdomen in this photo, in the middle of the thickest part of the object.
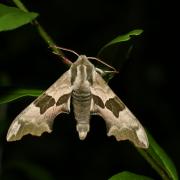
(81, 103)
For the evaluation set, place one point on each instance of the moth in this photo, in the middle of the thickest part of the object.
(89, 94)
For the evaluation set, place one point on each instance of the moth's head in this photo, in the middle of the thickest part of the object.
(82, 60)
(82, 64)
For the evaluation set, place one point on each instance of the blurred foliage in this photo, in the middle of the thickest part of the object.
(129, 176)
(159, 160)
(122, 38)
(11, 94)
(31, 171)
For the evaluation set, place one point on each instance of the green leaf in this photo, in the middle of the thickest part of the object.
(129, 176)
(122, 38)
(117, 52)
(159, 160)
(11, 17)
(13, 94)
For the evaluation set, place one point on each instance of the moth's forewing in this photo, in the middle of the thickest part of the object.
(120, 121)
(39, 115)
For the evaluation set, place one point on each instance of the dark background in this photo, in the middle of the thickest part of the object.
(147, 84)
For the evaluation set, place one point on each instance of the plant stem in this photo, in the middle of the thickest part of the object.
(44, 35)
(20, 5)
(155, 165)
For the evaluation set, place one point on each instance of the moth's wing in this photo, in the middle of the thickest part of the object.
(119, 120)
(39, 115)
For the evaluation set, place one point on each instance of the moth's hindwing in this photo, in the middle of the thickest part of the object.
(120, 122)
(39, 115)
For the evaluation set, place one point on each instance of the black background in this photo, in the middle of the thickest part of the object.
(147, 84)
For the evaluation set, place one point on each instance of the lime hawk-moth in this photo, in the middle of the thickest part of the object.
(89, 94)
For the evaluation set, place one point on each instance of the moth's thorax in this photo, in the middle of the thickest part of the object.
(82, 73)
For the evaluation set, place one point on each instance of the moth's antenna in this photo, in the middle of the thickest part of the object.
(99, 60)
(69, 50)
(65, 60)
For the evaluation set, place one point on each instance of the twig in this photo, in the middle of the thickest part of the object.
(43, 33)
